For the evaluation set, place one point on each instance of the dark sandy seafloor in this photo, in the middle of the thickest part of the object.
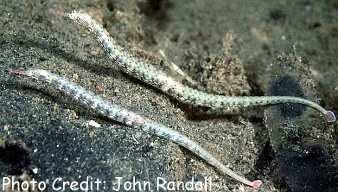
(227, 47)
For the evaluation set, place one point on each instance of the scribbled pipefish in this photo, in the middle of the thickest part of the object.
(129, 118)
(132, 66)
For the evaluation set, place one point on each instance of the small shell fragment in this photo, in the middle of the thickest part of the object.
(93, 123)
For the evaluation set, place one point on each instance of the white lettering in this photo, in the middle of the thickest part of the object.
(56, 182)
(127, 186)
(160, 183)
(97, 182)
(198, 186)
(171, 185)
(5, 181)
(43, 187)
(84, 185)
(146, 186)
(190, 185)
(14, 185)
(118, 184)
(135, 184)
(73, 185)
(25, 186)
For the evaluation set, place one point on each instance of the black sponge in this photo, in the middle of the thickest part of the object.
(309, 171)
(287, 86)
